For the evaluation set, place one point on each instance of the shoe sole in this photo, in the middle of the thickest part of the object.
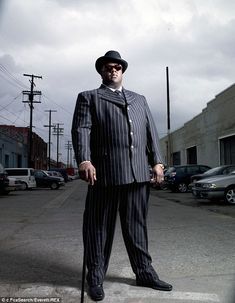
(154, 287)
(97, 299)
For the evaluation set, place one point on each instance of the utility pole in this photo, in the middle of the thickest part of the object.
(49, 143)
(68, 146)
(168, 120)
(31, 101)
(58, 131)
(71, 154)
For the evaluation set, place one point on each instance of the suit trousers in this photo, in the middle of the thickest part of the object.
(102, 206)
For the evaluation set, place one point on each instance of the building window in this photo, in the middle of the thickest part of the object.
(176, 158)
(7, 161)
(19, 161)
(227, 150)
(192, 155)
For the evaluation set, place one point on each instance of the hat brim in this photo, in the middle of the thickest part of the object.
(102, 60)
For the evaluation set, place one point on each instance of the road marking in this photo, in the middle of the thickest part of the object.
(193, 296)
(115, 293)
(189, 296)
(177, 295)
(146, 293)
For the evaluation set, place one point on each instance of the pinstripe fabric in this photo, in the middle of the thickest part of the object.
(119, 137)
(103, 204)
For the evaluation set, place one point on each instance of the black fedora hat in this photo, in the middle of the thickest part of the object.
(110, 56)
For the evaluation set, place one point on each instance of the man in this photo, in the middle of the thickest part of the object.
(115, 141)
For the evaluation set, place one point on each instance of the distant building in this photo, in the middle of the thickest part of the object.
(54, 164)
(209, 138)
(14, 148)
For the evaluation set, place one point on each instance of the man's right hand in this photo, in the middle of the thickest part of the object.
(87, 172)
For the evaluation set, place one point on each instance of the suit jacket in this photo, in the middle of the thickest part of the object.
(117, 135)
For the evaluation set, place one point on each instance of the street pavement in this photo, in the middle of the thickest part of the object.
(41, 250)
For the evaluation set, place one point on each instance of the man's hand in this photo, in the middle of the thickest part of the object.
(158, 175)
(87, 172)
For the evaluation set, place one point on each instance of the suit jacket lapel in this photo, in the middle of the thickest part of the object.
(110, 96)
(128, 95)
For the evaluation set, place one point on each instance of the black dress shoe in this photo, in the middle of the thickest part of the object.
(155, 284)
(96, 292)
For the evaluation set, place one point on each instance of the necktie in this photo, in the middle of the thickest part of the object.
(120, 94)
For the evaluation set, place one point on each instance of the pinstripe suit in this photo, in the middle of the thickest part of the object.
(119, 137)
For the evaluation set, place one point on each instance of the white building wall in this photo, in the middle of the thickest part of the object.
(204, 131)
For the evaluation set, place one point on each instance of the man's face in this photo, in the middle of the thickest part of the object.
(111, 74)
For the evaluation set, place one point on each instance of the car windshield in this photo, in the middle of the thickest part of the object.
(212, 171)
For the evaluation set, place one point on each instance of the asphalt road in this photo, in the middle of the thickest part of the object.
(188, 199)
(192, 246)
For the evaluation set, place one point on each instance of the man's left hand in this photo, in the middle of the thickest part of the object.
(158, 174)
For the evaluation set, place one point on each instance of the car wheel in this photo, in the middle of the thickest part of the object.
(182, 187)
(24, 186)
(54, 185)
(229, 195)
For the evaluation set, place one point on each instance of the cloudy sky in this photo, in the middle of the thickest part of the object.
(61, 39)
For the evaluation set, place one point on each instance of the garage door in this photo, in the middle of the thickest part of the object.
(227, 150)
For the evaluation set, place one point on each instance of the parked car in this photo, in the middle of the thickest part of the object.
(55, 174)
(177, 178)
(26, 175)
(63, 173)
(44, 180)
(13, 185)
(4, 181)
(219, 170)
(217, 187)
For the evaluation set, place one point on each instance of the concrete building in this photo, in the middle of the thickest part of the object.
(14, 148)
(209, 138)
(13, 151)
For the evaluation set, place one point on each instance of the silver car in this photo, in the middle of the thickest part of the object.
(217, 187)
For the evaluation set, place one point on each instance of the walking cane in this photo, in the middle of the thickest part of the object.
(86, 235)
(86, 238)
(84, 267)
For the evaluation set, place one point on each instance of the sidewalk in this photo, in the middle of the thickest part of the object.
(191, 248)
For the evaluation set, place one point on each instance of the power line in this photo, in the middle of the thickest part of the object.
(5, 106)
(14, 84)
(31, 101)
(68, 146)
(10, 77)
(6, 119)
(49, 143)
(57, 104)
(12, 114)
(19, 116)
(58, 131)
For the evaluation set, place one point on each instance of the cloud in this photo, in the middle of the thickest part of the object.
(61, 40)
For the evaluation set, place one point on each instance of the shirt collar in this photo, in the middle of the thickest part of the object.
(113, 89)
